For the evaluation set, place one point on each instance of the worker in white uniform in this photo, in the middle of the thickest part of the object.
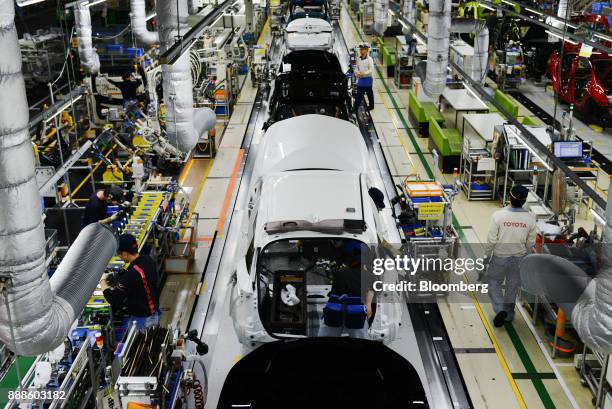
(364, 69)
(511, 236)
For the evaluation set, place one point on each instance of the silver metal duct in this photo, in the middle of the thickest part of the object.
(138, 17)
(408, 12)
(592, 315)
(381, 14)
(41, 311)
(438, 42)
(563, 283)
(204, 119)
(480, 62)
(87, 54)
(193, 8)
(178, 89)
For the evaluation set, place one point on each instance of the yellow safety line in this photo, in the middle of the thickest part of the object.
(74, 192)
(185, 171)
(262, 36)
(399, 136)
(500, 355)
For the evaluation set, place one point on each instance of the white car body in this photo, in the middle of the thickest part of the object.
(309, 34)
(310, 168)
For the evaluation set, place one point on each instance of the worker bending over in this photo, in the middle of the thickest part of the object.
(136, 288)
(128, 87)
(363, 71)
(511, 236)
(350, 303)
(97, 207)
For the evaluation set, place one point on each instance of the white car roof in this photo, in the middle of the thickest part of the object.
(312, 195)
(309, 34)
(312, 142)
(309, 25)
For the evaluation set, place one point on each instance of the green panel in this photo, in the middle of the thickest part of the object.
(448, 140)
(10, 381)
(432, 113)
(415, 107)
(531, 121)
(506, 103)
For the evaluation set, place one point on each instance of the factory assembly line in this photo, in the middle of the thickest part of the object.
(305, 203)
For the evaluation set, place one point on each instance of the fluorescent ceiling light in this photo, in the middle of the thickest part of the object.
(598, 217)
(508, 2)
(603, 37)
(64, 106)
(487, 7)
(471, 91)
(534, 11)
(560, 37)
(28, 2)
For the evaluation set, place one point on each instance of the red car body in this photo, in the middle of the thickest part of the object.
(584, 82)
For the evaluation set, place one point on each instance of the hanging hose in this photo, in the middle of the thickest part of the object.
(198, 394)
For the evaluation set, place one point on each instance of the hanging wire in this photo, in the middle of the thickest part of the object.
(556, 94)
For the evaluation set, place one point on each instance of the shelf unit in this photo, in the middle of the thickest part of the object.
(367, 16)
(594, 368)
(404, 63)
(471, 172)
(516, 165)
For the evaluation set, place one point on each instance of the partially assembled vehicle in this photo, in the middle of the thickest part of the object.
(584, 82)
(310, 82)
(323, 373)
(308, 8)
(310, 211)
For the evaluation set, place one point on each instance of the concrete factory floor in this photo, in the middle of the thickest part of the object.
(507, 367)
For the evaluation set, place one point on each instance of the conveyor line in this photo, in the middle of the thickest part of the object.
(210, 316)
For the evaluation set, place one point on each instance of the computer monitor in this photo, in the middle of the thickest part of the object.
(568, 149)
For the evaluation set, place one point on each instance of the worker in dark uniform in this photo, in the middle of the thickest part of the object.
(136, 287)
(350, 303)
(128, 87)
(97, 207)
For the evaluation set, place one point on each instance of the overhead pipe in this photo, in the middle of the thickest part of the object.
(193, 8)
(480, 62)
(87, 53)
(438, 45)
(35, 313)
(408, 11)
(172, 18)
(381, 11)
(138, 17)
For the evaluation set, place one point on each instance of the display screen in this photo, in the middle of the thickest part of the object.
(568, 149)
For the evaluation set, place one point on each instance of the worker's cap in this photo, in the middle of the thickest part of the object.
(519, 192)
(377, 196)
(128, 243)
(364, 45)
(115, 193)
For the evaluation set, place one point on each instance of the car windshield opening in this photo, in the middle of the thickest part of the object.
(298, 280)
